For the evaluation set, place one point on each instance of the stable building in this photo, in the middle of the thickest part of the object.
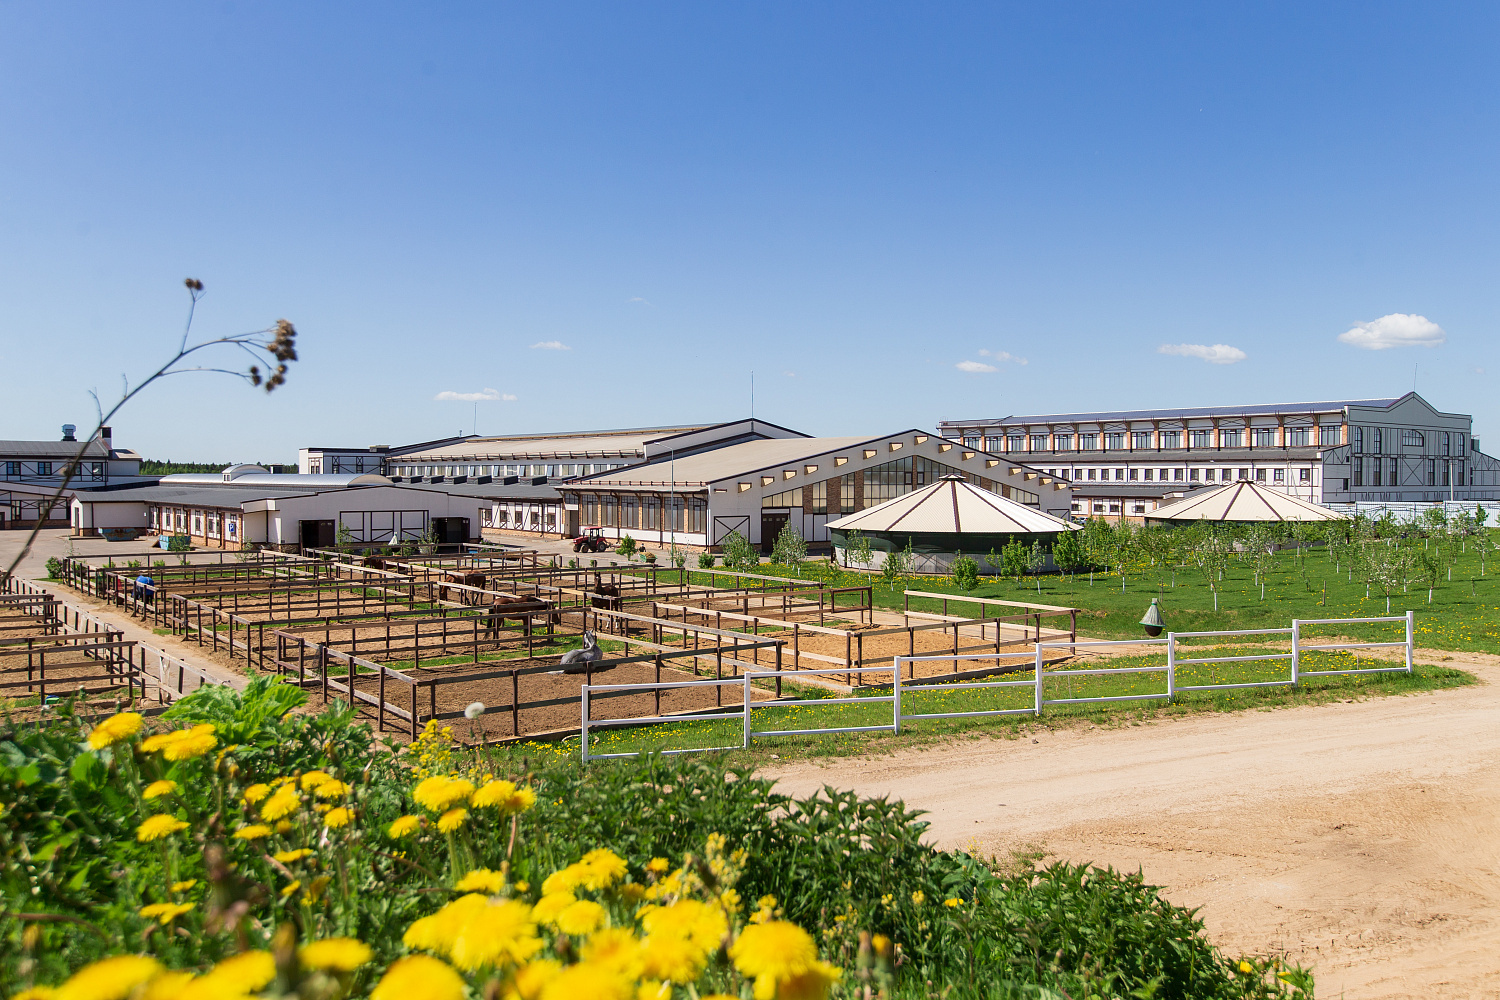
(32, 471)
(756, 487)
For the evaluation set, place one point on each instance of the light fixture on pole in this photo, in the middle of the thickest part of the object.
(1152, 619)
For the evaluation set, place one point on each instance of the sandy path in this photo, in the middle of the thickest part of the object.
(1362, 839)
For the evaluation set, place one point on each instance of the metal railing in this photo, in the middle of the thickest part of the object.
(950, 687)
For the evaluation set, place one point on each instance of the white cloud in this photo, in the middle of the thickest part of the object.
(488, 395)
(975, 366)
(1214, 354)
(550, 345)
(1002, 356)
(637, 299)
(790, 374)
(1395, 330)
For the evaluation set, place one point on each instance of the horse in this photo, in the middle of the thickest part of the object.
(606, 595)
(576, 661)
(476, 580)
(516, 607)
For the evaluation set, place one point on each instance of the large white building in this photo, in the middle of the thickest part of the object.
(1340, 451)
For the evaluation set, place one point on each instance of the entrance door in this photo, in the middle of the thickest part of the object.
(771, 523)
(451, 530)
(317, 534)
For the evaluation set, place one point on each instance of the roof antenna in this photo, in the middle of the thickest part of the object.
(1414, 375)
(752, 395)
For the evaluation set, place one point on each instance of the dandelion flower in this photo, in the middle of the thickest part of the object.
(481, 880)
(403, 826)
(589, 979)
(165, 913)
(112, 730)
(953, 904)
(564, 881)
(255, 793)
(159, 826)
(337, 818)
(658, 866)
(157, 789)
(533, 977)
(583, 916)
(492, 793)
(452, 820)
(439, 792)
(1246, 967)
(110, 979)
(419, 977)
(291, 887)
(314, 779)
(496, 934)
(919, 897)
(331, 789)
(282, 802)
(340, 954)
(36, 993)
(255, 831)
(550, 905)
(247, 972)
(287, 857)
(616, 947)
(184, 886)
(773, 952)
(602, 868)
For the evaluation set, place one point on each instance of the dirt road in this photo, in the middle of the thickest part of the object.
(1362, 839)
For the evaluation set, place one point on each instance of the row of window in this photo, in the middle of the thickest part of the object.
(1197, 438)
(1383, 440)
(86, 470)
(527, 517)
(1104, 507)
(647, 513)
(565, 470)
(1374, 470)
(184, 521)
(1303, 476)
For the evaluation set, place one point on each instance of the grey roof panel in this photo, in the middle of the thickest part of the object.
(51, 449)
(1254, 409)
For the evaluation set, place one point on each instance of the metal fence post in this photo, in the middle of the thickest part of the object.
(1411, 631)
(584, 730)
(896, 695)
(1296, 652)
(1038, 679)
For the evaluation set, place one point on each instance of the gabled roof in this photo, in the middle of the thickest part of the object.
(1253, 409)
(953, 506)
(52, 449)
(1243, 502)
(706, 467)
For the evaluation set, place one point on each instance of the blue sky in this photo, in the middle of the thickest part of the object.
(851, 200)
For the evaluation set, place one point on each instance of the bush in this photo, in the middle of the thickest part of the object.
(706, 560)
(56, 568)
(790, 548)
(349, 847)
(627, 547)
(965, 573)
(179, 543)
(739, 554)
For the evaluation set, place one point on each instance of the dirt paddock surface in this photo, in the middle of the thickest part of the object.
(1361, 839)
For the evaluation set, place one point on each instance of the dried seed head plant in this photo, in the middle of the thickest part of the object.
(278, 340)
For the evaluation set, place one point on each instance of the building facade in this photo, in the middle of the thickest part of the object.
(1341, 451)
(32, 471)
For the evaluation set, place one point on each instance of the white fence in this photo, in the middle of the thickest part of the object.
(1037, 683)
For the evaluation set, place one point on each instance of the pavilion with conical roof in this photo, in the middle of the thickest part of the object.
(939, 521)
(1242, 502)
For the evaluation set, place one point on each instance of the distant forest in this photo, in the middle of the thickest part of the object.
(152, 467)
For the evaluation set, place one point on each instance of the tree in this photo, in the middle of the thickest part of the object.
(627, 547)
(790, 548)
(1067, 552)
(857, 550)
(965, 572)
(1013, 560)
(1211, 553)
(277, 340)
(898, 565)
(738, 553)
(1036, 558)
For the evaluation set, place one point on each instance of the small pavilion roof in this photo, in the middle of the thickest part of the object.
(953, 506)
(1243, 502)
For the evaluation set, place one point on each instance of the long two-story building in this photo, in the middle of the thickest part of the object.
(1338, 451)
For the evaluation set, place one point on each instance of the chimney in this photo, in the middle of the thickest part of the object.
(68, 432)
(104, 435)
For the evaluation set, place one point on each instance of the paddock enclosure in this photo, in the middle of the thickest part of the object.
(418, 638)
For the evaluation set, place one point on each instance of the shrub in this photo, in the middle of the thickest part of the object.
(179, 543)
(55, 568)
(739, 554)
(790, 548)
(626, 548)
(706, 560)
(965, 573)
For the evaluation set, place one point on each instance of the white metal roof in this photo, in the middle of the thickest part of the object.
(723, 463)
(954, 506)
(1244, 501)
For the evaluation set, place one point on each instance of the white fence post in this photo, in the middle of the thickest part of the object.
(746, 675)
(1411, 631)
(896, 697)
(1296, 652)
(584, 730)
(1171, 667)
(1039, 678)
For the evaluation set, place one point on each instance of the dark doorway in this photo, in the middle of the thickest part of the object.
(771, 523)
(451, 530)
(317, 534)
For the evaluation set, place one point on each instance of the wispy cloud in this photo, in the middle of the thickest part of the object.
(1214, 354)
(790, 374)
(486, 395)
(1002, 356)
(975, 367)
(637, 298)
(1395, 330)
(550, 345)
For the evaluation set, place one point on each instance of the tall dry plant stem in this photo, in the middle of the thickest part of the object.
(277, 340)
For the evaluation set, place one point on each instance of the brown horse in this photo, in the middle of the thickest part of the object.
(476, 580)
(513, 607)
(605, 595)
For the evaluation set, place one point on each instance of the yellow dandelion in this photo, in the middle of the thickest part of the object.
(452, 820)
(247, 972)
(583, 916)
(287, 857)
(315, 889)
(282, 802)
(492, 793)
(403, 826)
(419, 977)
(157, 789)
(589, 979)
(312, 779)
(602, 868)
(919, 897)
(114, 729)
(291, 887)
(255, 793)
(284, 826)
(184, 886)
(564, 881)
(340, 954)
(109, 979)
(331, 789)
(255, 831)
(36, 993)
(495, 934)
(481, 880)
(159, 826)
(533, 977)
(165, 913)
(1246, 967)
(439, 792)
(337, 818)
(658, 866)
(774, 951)
(193, 743)
(550, 905)
(953, 903)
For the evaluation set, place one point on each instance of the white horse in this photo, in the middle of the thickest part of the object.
(576, 661)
